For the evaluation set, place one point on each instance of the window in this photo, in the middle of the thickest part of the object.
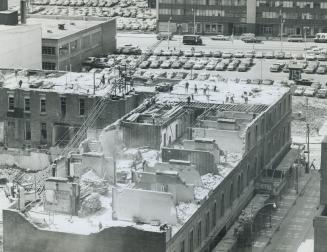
(11, 103)
(47, 50)
(207, 224)
(63, 105)
(64, 49)
(182, 246)
(214, 214)
(231, 196)
(27, 130)
(190, 238)
(27, 104)
(73, 46)
(222, 205)
(48, 66)
(44, 134)
(42, 105)
(199, 233)
(81, 107)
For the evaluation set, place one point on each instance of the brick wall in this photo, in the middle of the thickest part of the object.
(20, 235)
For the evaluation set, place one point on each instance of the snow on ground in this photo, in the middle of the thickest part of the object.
(306, 246)
(82, 225)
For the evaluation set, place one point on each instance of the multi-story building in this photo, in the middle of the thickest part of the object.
(66, 42)
(178, 192)
(263, 17)
(46, 108)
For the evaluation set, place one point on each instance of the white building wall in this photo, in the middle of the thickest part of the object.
(20, 46)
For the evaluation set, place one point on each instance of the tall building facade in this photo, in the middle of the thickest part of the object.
(262, 17)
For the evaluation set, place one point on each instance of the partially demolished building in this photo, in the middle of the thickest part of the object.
(172, 175)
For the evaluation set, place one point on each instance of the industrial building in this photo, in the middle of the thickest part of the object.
(68, 41)
(187, 180)
(262, 17)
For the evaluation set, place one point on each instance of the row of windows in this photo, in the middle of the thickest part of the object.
(288, 4)
(43, 105)
(28, 131)
(48, 50)
(214, 212)
(206, 2)
(209, 13)
(48, 66)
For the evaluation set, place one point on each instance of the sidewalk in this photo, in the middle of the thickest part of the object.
(287, 202)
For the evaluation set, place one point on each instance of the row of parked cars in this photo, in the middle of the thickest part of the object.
(188, 63)
(308, 67)
(93, 3)
(144, 24)
(312, 89)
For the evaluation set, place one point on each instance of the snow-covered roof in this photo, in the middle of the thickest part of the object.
(59, 82)
(50, 28)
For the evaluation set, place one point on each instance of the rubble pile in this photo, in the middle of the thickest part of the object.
(90, 205)
(92, 183)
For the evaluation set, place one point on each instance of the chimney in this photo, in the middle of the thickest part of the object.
(3, 5)
(23, 11)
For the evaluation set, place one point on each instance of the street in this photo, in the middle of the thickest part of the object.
(298, 225)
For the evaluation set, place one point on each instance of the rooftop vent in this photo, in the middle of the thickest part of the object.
(49, 31)
(61, 26)
(72, 23)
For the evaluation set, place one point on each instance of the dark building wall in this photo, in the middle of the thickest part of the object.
(320, 231)
(323, 173)
(20, 235)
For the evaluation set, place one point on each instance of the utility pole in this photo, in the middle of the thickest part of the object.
(168, 36)
(281, 30)
(308, 133)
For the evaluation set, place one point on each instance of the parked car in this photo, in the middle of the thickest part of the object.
(269, 55)
(256, 81)
(267, 82)
(198, 66)
(220, 37)
(167, 52)
(239, 54)
(322, 69)
(311, 56)
(145, 64)
(183, 60)
(166, 64)
(207, 54)
(191, 76)
(198, 54)
(226, 55)
(295, 38)
(211, 65)
(188, 65)
(322, 57)
(242, 67)
(217, 54)
(164, 36)
(299, 56)
(163, 87)
(305, 82)
(280, 55)
(309, 92)
(180, 75)
(192, 40)
(275, 68)
(155, 64)
(177, 52)
(316, 85)
(252, 40)
(232, 66)
(310, 69)
(249, 54)
(176, 64)
(220, 66)
(299, 91)
(288, 55)
(188, 53)
(247, 35)
(321, 93)
(258, 55)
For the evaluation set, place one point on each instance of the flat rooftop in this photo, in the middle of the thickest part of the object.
(50, 28)
(59, 82)
(256, 94)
